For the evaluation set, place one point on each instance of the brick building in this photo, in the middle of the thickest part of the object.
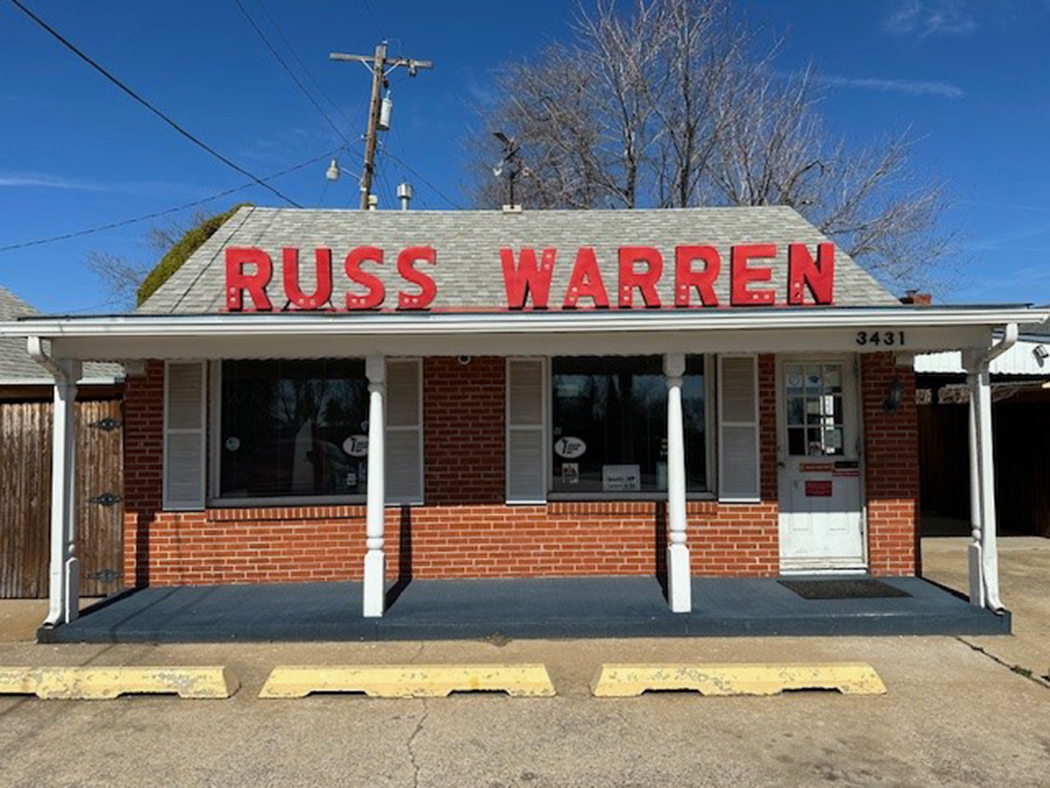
(683, 393)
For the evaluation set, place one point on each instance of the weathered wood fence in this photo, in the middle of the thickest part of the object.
(25, 497)
(1021, 430)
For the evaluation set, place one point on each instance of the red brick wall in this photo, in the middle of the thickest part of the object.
(463, 410)
(464, 529)
(891, 446)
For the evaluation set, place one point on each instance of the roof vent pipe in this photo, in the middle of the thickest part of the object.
(404, 193)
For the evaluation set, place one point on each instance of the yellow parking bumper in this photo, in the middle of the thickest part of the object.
(409, 681)
(849, 678)
(101, 683)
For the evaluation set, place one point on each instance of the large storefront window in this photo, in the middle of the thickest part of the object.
(293, 428)
(609, 418)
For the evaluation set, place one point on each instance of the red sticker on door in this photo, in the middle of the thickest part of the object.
(818, 489)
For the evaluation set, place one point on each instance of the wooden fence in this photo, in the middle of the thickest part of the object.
(1021, 431)
(25, 497)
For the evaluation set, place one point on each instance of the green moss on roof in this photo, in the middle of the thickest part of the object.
(181, 251)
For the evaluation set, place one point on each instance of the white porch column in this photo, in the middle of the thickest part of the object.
(64, 588)
(375, 558)
(679, 580)
(976, 573)
(981, 399)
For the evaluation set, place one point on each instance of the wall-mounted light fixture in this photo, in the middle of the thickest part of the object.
(894, 396)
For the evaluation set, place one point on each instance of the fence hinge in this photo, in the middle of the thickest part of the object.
(105, 575)
(106, 499)
(107, 424)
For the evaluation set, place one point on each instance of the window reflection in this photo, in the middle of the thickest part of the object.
(609, 418)
(293, 428)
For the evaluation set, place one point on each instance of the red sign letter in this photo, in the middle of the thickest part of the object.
(525, 280)
(323, 291)
(741, 276)
(237, 281)
(819, 277)
(586, 281)
(376, 292)
(645, 281)
(427, 288)
(685, 278)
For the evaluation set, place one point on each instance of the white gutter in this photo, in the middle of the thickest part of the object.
(583, 321)
(1009, 339)
(35, 346)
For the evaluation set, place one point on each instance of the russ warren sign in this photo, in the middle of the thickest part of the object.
(527, 274)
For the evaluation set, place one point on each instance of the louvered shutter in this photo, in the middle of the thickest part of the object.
(404, 431)
(526, 430)
(184, 413)
(738, 449)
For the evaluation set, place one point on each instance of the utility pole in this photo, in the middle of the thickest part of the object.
(381, 67)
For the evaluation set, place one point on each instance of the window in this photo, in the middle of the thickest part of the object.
(293, 428)
(815, 425)
(609, 424)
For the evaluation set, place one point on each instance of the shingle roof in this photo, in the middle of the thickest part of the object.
(468, 273)
(16, 367)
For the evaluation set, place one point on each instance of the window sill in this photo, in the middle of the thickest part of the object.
(598, 497)
(231, 510)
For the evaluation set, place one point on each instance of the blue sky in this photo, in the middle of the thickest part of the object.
(970, 78)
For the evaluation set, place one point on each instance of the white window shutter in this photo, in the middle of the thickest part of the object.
(526, 471)
(404, 431)
(184, 418)
(738, 416)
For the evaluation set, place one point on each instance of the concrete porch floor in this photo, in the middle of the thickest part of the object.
(516, 608)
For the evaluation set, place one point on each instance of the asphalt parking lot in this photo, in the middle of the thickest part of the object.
(958, 711)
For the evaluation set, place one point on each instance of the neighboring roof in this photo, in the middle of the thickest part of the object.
(1023, 359)
(468, 273)
(16, 367)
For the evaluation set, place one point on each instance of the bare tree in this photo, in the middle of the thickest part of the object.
(120, 277)
(677, 105)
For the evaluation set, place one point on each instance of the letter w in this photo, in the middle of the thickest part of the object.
(525, 280)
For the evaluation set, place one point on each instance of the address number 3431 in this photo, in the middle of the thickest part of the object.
(888, 338)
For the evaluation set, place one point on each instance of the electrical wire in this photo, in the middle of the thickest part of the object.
(375, 20)
(288, 70)
(302, 65)
(432, 187)
(165, 212)
(145, 103)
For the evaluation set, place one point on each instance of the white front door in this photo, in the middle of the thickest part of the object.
(821, 520)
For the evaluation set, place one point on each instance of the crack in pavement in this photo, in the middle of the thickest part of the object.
(1020, 670)
(411, 741)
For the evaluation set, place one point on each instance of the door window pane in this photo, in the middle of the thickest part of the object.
(293, 428)
(815, 417)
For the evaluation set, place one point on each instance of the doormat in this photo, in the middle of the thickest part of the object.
(852, 588)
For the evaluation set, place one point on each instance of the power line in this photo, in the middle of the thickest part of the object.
(302, 65)
(433, 188)
(167, 119)
(288, 70)
(165, 212)
(375, 20)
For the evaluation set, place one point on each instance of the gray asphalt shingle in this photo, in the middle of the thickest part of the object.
(468, 273)
(15, 364)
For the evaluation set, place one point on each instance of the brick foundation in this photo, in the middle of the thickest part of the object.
(464, 529)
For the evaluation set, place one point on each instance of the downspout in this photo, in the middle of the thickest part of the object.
(1009, 339)
(63, 586)
(989, 526)
(35, 345)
